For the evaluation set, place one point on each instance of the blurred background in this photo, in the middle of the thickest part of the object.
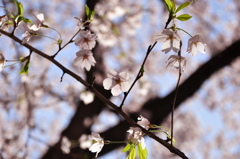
(37, 110)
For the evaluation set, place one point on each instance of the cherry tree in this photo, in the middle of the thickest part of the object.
(79, 81)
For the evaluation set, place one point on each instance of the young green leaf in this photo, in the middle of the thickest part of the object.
(26, 20)
(184, 17)
(142, 153)
(132, 153)
(127, 148)
(169, 5)
(89, 13)
(173, 7)
(184, 5)
(25, 68)
(19, 8)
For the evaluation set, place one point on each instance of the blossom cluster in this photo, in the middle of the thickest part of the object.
(171, 41)
(95, 142)
(4, 22)
(31, 30)
(87, 42)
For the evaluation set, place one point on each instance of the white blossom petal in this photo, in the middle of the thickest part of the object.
(111, 73)
(107, 83)
(97, 147)
(196, 44)
(2, 61)
(124, 76)
(125, 86)
(116, 90)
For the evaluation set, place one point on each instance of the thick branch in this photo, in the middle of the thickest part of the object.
(160, 108)
(96, 92)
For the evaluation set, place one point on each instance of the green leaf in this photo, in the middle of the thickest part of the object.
(25, 68)
(169, 5)
(184, 5)
(19, 7)
(89, 13)
(127, 148)
(132, 153)
(142, 153)
(19, 18)
(173, 7)
(184, 17)
(26, 20)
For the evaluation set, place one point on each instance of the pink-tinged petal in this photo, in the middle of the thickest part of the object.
(124, 76)
(111, 73)
(78, 60)
(85, 33)
(79, 40)
(176, 44)
(116, 90)
(2, 61)
(161, 38)
(95, 136)
(125, 86)
(166, 44)
(201, 47)
(86, 64)
(189, 49)
(194, 49)
(26, 37)
(91, 60)
(107, 83)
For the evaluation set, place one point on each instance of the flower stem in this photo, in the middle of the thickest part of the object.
(176, 92)
(46, 37)
(56, 31)
(114, 142)
(184, 31)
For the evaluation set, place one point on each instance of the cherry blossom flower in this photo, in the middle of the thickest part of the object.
(2, 61)
(26, 37)
(65, 145)
(170, 40)
(196, 44)
(39, 22)
(136, 136)
(28, 33)
(31, 30)
(173, 61)
(118, 83)
(3, 19)
(85, 58)
(4, 23)
(143, 122)
(98, 145)
(87, 97)
(86, 40)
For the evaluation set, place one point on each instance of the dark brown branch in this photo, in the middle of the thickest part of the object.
(96, 92)
(160, 108)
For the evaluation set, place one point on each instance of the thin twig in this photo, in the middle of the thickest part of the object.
(70, 41)
(140, 73)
